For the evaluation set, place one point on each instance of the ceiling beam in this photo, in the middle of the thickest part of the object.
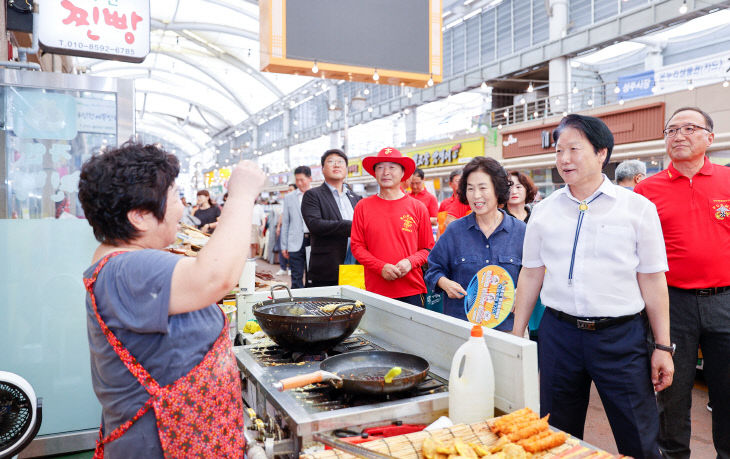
(148, 71)
(217, 115)
(159, 131)
(161, 25)
(236, 8)
(228, 58)
(159, 119)
(196, 65)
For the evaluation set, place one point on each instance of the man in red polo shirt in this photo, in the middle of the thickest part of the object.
(391, 232)
(419, 192)
(692, 197)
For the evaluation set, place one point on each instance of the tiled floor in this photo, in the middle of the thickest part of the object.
(598, 431)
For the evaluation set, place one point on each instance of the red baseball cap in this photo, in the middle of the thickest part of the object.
(390, 155)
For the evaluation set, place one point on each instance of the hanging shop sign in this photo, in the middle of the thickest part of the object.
(217, 178)
(447, 154)
(638, 85)
(102, 29)
(354, 167)
(635, 124)
(395, 43)
(676, 77)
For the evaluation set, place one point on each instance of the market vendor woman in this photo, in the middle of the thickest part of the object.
(161, 360)
(487, 236)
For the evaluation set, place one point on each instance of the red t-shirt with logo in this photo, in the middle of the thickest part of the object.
(428, 200)
(454, 207)
(386, 232)
(695, 217)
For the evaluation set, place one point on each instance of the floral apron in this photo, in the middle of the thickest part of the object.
(200, 414)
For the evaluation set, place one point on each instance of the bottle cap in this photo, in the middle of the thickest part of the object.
(476, 331)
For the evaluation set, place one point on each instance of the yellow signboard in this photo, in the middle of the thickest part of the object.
(354, 167)
(217, 177)
(447, 154)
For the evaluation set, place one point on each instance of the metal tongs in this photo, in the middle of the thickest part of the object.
(355, 450)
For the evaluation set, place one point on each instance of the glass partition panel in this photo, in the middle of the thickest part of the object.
(49, 125)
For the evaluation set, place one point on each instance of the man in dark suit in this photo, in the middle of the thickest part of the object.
(327, 210)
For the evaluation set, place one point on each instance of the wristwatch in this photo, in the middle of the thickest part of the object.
(669, 349)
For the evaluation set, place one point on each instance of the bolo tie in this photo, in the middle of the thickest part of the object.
(582, 208)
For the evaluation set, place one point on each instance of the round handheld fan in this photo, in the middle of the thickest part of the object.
(489, 296)
(20, 414)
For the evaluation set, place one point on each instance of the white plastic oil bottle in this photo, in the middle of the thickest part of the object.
(471, 381)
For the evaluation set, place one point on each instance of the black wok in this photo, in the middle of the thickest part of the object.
(299, 324)
(364, 372)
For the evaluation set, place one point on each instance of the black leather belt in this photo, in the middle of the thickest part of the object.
(591, 323)
(703, 291)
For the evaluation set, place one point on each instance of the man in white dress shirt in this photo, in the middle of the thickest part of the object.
(594, 252)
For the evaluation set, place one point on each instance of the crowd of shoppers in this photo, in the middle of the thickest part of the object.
(622, 279)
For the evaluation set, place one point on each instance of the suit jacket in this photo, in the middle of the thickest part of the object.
(292, 227)
(328, 234)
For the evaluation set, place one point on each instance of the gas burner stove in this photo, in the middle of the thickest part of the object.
(274, 355)
(285, 422)
(295, 415)
(322, 396)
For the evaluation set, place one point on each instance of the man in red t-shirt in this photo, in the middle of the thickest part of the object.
(419, 192)
(391, 232)
(692, 197)
(452, 207)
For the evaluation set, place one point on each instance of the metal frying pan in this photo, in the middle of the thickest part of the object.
(364, 372)
(300, 323)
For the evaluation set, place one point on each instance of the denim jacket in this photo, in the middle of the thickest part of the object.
(463, 250)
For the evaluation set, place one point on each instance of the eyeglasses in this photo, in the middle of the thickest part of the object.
(687, 129)
(334, 162)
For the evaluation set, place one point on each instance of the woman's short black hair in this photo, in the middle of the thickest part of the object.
(334, 151)
(526, 181)
(595, 130)
(496, 172)
(133, 176)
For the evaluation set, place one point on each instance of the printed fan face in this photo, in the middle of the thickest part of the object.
(489, 297)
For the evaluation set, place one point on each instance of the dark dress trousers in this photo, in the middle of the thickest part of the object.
(328, 232)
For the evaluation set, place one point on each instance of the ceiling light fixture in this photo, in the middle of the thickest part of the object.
(621, 102)
(616, 90)
(366, 91)
(690, 85)
(683, 8)
(315, 69)
(530, 88)
(376, 77)
(725, 83)
(557, 101)
(430, 81)
(370, 109)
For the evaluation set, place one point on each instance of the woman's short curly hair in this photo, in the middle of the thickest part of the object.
(496, 172)
(133, 176)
